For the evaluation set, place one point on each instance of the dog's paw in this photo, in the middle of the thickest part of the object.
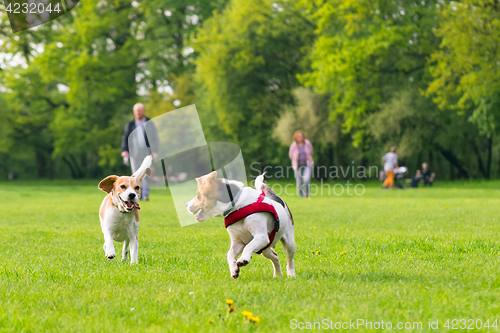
(236, 273)
(242, 262)
(110, 253)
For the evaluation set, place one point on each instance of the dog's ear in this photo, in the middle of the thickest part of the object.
(107, 183)
(204, 179)
(212, 175)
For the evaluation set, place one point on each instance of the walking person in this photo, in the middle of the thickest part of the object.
(140, 144)
(300, 154)
(390, 163)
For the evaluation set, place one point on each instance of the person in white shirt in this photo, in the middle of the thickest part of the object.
(390, 163)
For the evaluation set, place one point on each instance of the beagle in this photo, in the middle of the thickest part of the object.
(256, 219)
(119, 212)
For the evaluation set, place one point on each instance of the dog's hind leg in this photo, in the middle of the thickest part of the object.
(288, 241)
(232, 254)
(270, 254)
(126, 249)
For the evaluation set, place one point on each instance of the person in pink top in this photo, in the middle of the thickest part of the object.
(300, 153)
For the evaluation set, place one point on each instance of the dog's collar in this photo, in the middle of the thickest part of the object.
(233, 200)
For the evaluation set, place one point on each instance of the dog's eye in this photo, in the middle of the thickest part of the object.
(123, 186)
(137, 188)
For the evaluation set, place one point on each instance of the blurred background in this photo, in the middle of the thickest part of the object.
(357, 76)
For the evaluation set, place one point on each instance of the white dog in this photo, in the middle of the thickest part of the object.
(256, 219)
(119, 212)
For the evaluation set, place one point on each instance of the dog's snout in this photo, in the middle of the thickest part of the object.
(131, 195)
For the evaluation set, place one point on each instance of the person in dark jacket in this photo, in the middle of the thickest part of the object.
(139, 145)
(427, 175)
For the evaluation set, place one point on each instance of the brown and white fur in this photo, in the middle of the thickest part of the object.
(119, 212)
(250, 234)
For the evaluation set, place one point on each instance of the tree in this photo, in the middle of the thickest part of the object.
(249, 55)
(466, 68)
(365, 51)
(84, 72)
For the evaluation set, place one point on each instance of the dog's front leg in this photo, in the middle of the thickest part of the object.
(232, 254)
(134, 249)
(109, 248)
(258, 242)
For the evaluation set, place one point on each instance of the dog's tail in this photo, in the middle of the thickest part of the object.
(144, 169)
(259, 182)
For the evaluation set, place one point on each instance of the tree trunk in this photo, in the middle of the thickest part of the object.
(462, 172)
(41, 163)
(480, 164)
(76, 171)
(488, 163)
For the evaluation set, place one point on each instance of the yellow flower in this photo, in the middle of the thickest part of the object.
(246, 314)
(318, 252)
(229, 301)
(231, 308)
(211, 321)
(368, 201)
(255, 319)
(315, 228)
(343, 252)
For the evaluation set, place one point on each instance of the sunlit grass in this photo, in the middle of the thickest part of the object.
(395, 256)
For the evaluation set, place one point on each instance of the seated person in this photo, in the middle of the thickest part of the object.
(427, 176)
(415, 180)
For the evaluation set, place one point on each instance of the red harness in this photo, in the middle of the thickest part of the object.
(256, 207)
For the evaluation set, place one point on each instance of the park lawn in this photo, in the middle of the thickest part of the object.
(398, 256)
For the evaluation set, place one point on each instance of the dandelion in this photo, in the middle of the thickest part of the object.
(343, 252)
(318, 252)
(254, 319)
(229, 303)
(211, 321)
(246, 314)
(315, 228)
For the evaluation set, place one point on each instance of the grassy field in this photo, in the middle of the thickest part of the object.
(396, 256)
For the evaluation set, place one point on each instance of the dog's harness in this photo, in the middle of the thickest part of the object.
(256, 207)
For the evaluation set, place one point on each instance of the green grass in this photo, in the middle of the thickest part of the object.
(414, 255)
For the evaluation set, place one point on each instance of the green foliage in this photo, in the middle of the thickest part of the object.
(420, 75)
(466, 69)
(248, 56)
(364, 51)
(78, 77)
